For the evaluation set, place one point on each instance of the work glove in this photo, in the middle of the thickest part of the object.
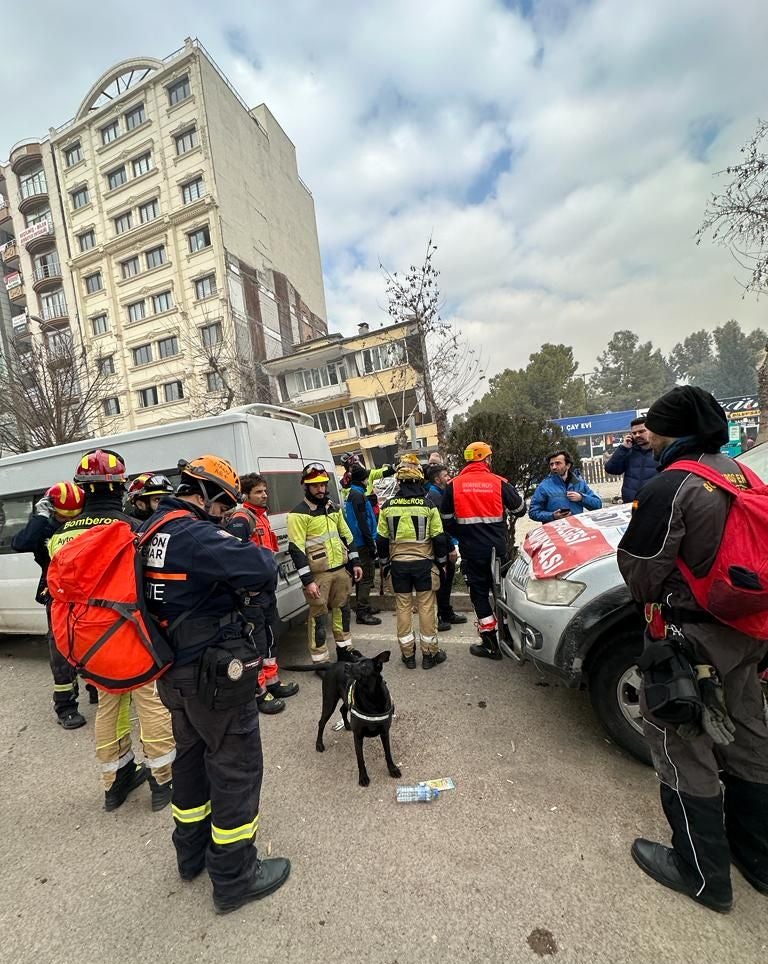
(44, 508)
(715, 721)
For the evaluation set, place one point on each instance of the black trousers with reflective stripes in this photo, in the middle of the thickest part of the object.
(479, 578)
(64, 676)
(217, 777)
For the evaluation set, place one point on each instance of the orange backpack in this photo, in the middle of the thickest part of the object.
(99, 618)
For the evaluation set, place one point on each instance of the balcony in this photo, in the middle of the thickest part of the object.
(31, 195)
(10, 252)
(18, 295)
(46, 275)
(5, 211)
(37, 235)
(317, 396)
(55, 312)
(25, 154)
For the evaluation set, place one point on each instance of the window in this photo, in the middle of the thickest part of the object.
(148, 397)
(93, 283)
(155, 257)
(73, 155)
(30, 219)
(107, 365)
(312, 378)
(53, 305)
(117, 177)
(162, 302)
(136, 311)
(379, 357)
(200, 239)
(149, 211)
(123, 223)
(186, 142)
(80, 198)
(173, 391)
(33, 184)
(110, 133)
(211, 334)
(336, 420)
(111, 406)
(143, 164)
(130, 268)
(168, 347)
(205, 287)
(135, 117)
(179, 91)
(99, 325)
(192, 190)
(86, 240)
(214, 382)
(142, 355)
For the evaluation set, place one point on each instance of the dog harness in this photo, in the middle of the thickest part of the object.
(362, 716)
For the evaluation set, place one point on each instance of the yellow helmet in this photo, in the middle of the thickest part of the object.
(477, 451)
(409, 469)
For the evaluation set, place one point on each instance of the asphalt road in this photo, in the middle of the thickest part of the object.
(528, 857)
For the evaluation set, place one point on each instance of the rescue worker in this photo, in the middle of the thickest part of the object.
(349, 460)
(62, 501)
(323, 552)
(410, 542)
(272, 693)
(713, 771)
(361, 520)
(438, 478)
(474, 509)
(145, 492)
(204, 584)
(101, 474)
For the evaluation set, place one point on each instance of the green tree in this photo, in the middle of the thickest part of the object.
(630, 373)
(693, 358)
(722, 362)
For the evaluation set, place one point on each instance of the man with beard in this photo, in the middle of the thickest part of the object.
(634, 459)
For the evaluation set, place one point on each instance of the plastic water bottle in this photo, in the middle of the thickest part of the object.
(420, 793)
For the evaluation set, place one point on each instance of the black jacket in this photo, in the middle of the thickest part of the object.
(34, 538)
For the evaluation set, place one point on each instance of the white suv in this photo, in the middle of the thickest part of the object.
(568, 610)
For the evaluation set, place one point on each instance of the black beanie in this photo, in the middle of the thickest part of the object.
(689, 411)
(358, 473)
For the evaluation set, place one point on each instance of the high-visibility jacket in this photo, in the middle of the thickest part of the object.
(263, 535)
(319, 539)
(474, 507)
(410, 528)
(99, 510)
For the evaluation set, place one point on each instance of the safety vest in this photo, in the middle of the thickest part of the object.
(410, 524)
(477, 495)
(318, 539)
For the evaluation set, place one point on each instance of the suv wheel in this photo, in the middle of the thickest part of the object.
(614, 682)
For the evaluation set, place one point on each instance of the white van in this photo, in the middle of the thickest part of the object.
(275, 442)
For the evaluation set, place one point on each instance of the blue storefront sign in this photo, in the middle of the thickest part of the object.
(610, 423)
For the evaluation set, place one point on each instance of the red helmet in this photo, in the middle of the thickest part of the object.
(148, 484)
(66, 498)
(314, 474)
(101, 465)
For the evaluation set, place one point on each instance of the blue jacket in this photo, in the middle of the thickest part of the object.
(360, 517)
(551, 494)
(636, 465)
(435, 497)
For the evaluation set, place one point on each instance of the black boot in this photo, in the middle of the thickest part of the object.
(161, 793)
(282, 691)
(443, 626)
(373, 611)
(429, 660)
(269, 705)
(410, 661)
(456, 618)
(128, 778)
(70, 718)
(746, 824)
(272, 873)
(365, 617)
(345, 654)
(489, 648)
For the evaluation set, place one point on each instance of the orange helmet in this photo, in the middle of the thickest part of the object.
(101, 465)
(314, 474)
(477, 451)
(217, 471)
(66, 498)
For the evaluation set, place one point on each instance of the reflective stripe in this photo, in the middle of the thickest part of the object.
(480, 518)
(304, 571)
(429, 640)
(406, 640)
(161, 761)
(447, 515)
(63, 687)
(321, 537)
(222, 837)
(193, 815)
(124, 760)
(354, 554)
(321, 657)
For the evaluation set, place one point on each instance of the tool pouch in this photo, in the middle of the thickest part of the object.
(229, 674)
(670, 690)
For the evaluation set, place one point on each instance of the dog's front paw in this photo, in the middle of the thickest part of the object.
(364, 780)
(395, 772)
(320, 747)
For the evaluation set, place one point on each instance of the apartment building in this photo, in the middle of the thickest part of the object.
(167, 229)
(363, 391)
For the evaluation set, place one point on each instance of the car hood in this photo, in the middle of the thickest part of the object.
(567, 544)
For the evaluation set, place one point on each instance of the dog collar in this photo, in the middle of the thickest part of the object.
(364, 716)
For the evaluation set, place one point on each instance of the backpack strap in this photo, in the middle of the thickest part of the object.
(711, 475)
(168, 517)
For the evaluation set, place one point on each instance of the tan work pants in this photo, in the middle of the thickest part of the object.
(426, 606)
(113, 733)
(335, 588)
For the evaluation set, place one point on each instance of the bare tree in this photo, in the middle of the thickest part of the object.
(450, 369)
(51, 392)
(737, 218)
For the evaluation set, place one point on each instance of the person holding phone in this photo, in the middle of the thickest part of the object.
(563, 492)
(634, 459)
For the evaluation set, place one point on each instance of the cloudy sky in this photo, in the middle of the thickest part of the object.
(560, 151)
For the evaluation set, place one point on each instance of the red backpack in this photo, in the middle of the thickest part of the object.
(735, 590)
(99, 617)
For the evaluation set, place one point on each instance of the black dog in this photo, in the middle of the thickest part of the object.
(364, 695)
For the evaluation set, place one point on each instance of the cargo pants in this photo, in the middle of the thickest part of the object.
(113, 725)
(335, 588)
(422, 577)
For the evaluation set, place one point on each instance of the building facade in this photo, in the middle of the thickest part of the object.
(364, 391)
(166, 228)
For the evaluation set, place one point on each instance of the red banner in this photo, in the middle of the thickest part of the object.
(566, 544)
